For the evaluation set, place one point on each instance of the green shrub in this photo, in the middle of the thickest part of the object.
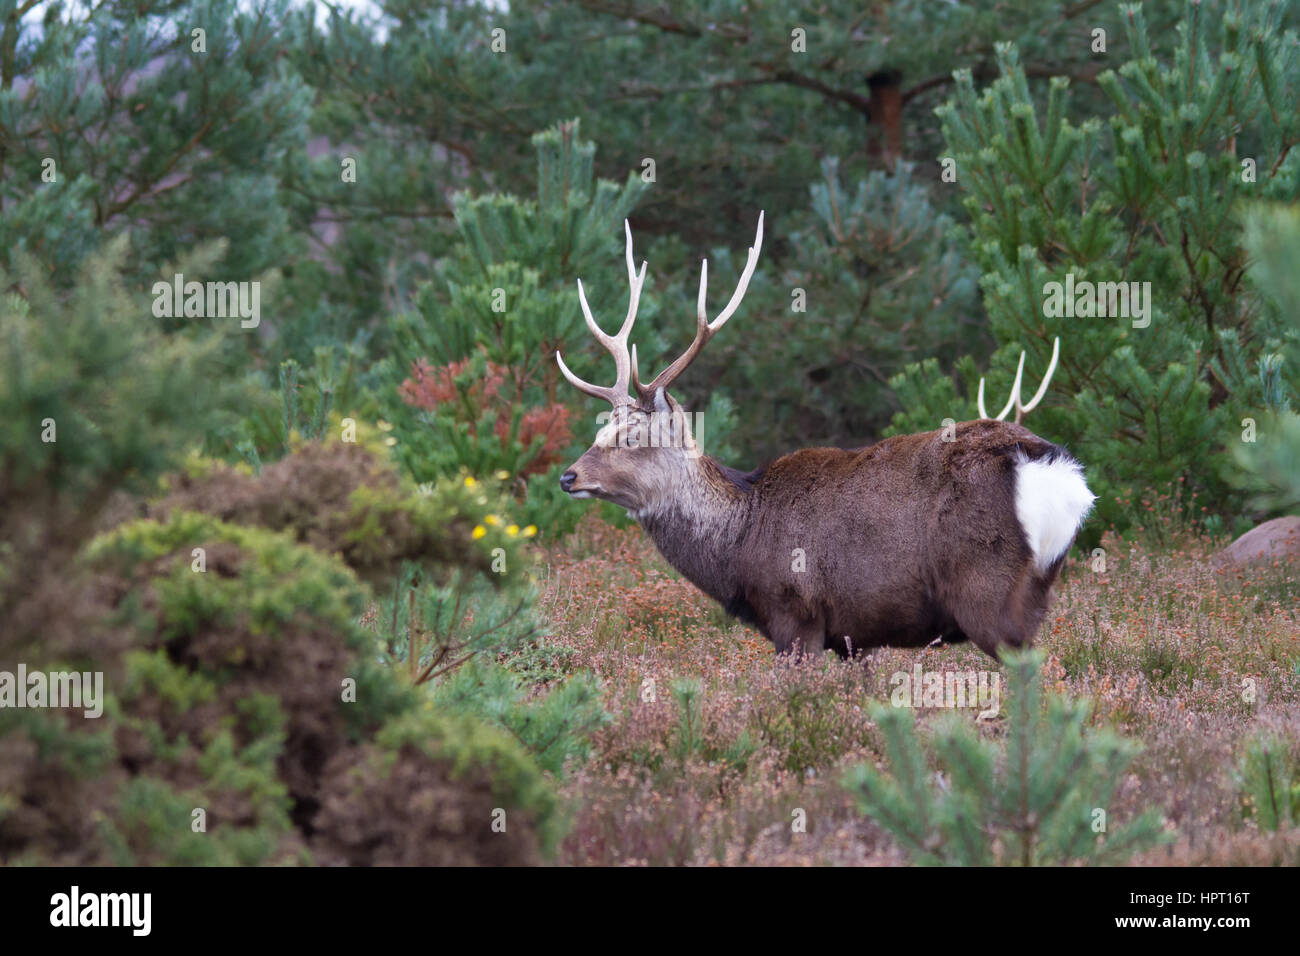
(348, 498)
(553, 725)
(93, 399)
(695, 739)
(1269, 462)
(436, 789)
(432, 629)
(1152, 196)
(1039, 797)
(239, 681)
(1268, 777)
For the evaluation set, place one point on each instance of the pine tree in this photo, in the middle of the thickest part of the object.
(725, 110)
(164, 121)
(94, 401)
(1268, 778)
(1156, 199)
(1269, 451)
(532, 251)
(476, 355)
(875, 279)
(1040, 796)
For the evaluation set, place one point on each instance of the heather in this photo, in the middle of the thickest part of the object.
(1191, 664)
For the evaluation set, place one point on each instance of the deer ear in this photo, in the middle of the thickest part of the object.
(661, 402)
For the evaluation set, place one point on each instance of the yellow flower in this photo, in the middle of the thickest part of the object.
(492, 520)
(479, 531)
(512, 530)
(469, 481)
(384, 426)
(502, 475)
(530, 531)
(390, 441)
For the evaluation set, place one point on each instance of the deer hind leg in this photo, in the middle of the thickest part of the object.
(1009, 619)
(797, 636)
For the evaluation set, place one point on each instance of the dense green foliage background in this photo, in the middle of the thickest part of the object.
(379, 172)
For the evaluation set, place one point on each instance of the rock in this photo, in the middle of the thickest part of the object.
(1274, 540)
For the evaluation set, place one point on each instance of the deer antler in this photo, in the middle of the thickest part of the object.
(704, 329)
(1014, 400)
(616, 345)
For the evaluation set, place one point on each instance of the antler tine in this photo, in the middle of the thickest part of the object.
(1015, 393)
(750, 262)
(1015, 388)
(1042, 388)
(596, 391)
(627, 252)
(704, 329)
(616, 345)
(1014, 400)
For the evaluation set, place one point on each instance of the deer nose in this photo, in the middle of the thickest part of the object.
(567, 479)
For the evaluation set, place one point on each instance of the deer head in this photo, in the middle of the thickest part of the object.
(645, 449)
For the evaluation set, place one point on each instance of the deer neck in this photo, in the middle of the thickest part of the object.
(699, 525)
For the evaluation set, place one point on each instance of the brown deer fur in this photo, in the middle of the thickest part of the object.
(911, 539)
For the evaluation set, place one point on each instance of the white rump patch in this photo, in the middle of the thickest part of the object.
(1052, 499)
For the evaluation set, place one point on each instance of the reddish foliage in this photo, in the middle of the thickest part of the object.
(430, 386)
(549, 420)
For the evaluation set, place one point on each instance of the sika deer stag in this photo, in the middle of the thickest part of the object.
(913, 540)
